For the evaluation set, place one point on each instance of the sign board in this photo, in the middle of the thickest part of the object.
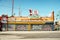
(11, 19)
(4, 20)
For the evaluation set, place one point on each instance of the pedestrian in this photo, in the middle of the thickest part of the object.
(0, 26)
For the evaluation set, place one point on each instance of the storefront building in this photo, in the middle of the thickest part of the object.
(30, 23)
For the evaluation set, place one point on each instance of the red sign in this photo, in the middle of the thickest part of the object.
(0, 17)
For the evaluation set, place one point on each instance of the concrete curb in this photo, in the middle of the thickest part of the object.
(27, 32)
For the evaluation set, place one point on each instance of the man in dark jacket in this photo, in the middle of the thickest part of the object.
(0, 26)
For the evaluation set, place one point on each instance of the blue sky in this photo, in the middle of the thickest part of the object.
(44, 7)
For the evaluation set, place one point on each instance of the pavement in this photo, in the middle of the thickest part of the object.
(30, 35)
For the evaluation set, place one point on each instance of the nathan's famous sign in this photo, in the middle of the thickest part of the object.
(32, 17)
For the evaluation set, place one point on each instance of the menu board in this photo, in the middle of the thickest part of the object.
(41, 27)
(47, 28)
(36, 27)
(11, 27)
(21, 27)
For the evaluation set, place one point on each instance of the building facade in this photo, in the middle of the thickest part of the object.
(30, 23)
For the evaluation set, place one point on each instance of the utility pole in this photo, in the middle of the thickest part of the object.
(12, 7)
(19, 12)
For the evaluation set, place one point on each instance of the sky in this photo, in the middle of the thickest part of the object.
(44, 7)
